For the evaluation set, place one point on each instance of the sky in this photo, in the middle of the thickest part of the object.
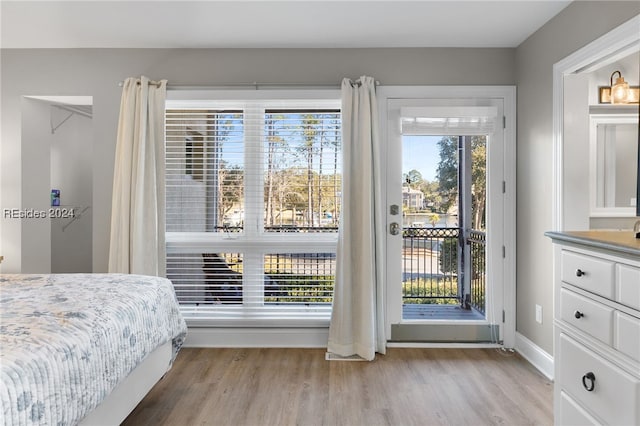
(421, 153)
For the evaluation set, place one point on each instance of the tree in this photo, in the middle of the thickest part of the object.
(413, 178)
(310, 133)
(432, 197)
(433, 219)
(478, 180)
(230, 188)
(447, 172)
(447, 176)
(272, 143)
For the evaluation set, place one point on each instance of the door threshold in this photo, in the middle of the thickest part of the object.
(447, 345)
(445, 333)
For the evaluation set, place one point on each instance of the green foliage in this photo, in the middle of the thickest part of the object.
(478, 180)
(434, 218)
(447, 172)
(231, 185)
(430, 291)
(449, 255)
(302, 289)
(413, 178)
(447, 176)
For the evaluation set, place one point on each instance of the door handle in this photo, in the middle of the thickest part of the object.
(394, 228)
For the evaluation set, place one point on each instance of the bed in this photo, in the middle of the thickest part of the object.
(83, 348)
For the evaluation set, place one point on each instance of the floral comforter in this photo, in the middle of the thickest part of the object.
(67, 340)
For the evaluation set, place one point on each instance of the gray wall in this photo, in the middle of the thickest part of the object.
(60, 160)
(574, 27)
(71, 173)
(36, 175)
(96, 72)
(576, 152)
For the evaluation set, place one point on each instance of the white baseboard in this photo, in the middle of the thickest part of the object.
(235, 337)
(535, 355)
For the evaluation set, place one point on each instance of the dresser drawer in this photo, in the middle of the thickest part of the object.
(588, 272)
(627, 335)
(571, 414)
(615, 395)
(628, 285)
(587, 315)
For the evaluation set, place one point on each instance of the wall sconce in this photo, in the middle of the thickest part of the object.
(618, 93)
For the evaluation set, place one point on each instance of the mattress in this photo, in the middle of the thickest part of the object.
(67, 340)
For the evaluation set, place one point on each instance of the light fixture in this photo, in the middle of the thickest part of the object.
(618, 93)
(619, 89)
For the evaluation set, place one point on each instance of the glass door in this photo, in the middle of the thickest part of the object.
(440, 179)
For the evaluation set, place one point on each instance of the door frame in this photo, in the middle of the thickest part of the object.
(609, 47)
(508, 96)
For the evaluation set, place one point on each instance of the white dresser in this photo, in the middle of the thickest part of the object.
(596, 328)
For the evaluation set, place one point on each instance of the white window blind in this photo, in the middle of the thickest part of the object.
(452, 121)
(204, 169)
(253, 201)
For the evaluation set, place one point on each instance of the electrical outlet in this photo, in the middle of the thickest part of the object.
(632, 202)
(539, 314)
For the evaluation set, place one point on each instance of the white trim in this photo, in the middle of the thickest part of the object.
(536, 356)
(604, 47)
(509, 217)
(596, 169)
(257, 337)
(446, 345)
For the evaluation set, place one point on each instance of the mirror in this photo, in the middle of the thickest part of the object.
(613, 160)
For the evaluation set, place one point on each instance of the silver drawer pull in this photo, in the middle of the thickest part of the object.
(589, 381)
(578, 314)
(580, 272)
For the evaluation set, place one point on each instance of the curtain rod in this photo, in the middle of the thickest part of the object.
(254, 85)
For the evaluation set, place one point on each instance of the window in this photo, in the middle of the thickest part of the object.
(252, 208)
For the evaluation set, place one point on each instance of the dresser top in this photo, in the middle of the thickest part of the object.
(620, 241)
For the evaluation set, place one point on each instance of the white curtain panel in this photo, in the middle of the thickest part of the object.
(137, 211)
(357, 319)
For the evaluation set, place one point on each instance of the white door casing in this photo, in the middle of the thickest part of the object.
(500, 176)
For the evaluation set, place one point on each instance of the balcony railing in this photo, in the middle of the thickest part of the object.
(430, 267)
(478, 241)
(429, 272)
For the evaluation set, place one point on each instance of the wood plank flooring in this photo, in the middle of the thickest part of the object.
(407, 386)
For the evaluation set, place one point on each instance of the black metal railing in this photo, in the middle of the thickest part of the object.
(478, 241)
(429, 265)
(277, 228)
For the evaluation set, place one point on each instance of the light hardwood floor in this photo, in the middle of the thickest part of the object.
(407, 386)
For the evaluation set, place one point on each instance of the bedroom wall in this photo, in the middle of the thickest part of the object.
(577, 25)
(36, 172)
(96, 72)
(71, 173)
(60, 160)
(576, 152)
